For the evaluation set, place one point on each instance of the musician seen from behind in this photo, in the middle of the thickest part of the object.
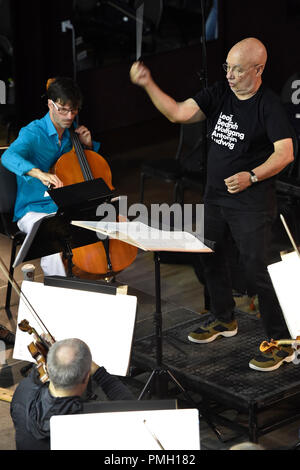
(69, 367)
(250, 142)
(36, 149)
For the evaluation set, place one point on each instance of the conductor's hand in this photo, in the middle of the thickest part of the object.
(140, 74)
(238, 182)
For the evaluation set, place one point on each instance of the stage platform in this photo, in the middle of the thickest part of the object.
(219, 373)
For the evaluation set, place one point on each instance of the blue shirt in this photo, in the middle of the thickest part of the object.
(37, 146)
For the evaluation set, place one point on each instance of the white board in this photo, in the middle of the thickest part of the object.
(127, 430)
(104, 322)
(285, 277)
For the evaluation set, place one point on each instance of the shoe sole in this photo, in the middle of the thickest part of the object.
(226, 334)
(276, 366)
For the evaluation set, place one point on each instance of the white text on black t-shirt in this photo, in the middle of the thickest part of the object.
(226, 131)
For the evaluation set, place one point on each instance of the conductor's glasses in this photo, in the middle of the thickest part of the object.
(236, 69)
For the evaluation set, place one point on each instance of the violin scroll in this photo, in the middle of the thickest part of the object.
(24, 326)
(38, 349)
(266, 346)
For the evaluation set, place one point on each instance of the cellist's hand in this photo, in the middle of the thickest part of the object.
(48, 179)
(84, 136)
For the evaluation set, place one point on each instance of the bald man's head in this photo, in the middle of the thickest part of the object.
(245, 64)
(250, 51)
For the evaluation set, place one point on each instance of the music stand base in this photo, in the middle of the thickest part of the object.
(160, 377)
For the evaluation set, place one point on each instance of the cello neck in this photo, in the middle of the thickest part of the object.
(85, 168)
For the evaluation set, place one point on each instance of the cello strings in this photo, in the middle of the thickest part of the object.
(81, 161)
(74, 142)
(87, 174)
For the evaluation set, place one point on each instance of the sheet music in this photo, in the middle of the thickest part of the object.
(145, 237)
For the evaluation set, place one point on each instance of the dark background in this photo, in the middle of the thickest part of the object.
(41, 50)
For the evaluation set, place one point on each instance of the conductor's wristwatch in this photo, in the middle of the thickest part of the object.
(253, 177)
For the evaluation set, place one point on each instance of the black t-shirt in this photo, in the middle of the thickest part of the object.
(241, 136)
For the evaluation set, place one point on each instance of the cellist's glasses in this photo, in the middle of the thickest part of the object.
(64, 111)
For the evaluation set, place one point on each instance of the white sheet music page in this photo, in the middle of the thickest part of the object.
(146, 237)
(285, 277)
(133, 430)
(100, 320)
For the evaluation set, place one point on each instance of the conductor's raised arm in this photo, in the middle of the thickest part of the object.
(186, 111)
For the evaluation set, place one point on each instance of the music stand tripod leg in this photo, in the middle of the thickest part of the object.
(68, 255)
(156, 374)
(160, 374)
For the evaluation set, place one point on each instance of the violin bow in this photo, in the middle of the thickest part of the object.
(18, 290)
(289, 235)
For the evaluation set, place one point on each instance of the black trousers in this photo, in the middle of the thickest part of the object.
(251, 232)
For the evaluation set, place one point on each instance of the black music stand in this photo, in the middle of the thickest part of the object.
(160, 374)
(54, 233)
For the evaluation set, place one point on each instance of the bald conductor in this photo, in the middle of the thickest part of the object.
(249, 143)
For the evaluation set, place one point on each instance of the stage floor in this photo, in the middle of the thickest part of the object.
(218, 371)
(250, 404)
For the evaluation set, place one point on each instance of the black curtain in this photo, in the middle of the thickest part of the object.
(41, 51)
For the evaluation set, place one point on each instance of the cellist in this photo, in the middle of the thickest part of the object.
(36, 149)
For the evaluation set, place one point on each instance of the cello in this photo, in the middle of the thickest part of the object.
(77, 166)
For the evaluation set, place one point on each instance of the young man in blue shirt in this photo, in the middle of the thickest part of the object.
(37, 148)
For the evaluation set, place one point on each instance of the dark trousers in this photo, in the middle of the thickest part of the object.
(251, 232)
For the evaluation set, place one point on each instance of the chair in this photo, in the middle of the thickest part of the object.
(194, 181)
(171, 170)
(8, 191)
(291, 174)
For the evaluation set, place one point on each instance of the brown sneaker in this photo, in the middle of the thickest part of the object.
(211, 329)
(273, 358)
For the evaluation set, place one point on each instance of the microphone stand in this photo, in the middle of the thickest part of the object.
(204, 83)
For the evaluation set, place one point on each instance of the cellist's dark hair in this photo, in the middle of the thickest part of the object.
(64, 90)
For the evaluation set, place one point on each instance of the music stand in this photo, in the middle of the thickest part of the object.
(160, 373)
(54, 232)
